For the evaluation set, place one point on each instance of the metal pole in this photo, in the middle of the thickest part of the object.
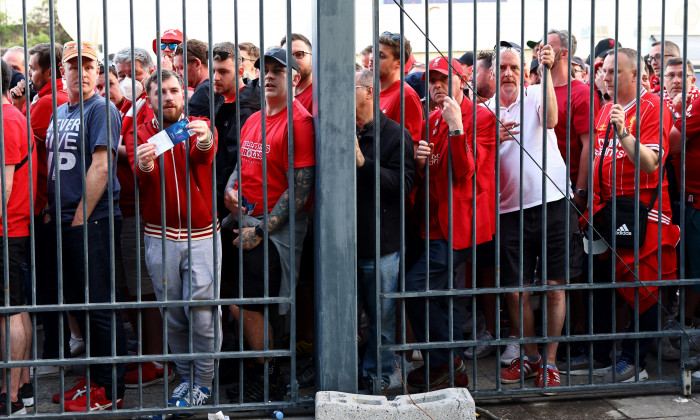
(335, 237)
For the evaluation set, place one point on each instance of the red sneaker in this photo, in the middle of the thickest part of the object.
(76, 392)
(150, 374)
(552, 378)
(512, 373)
(98, 402)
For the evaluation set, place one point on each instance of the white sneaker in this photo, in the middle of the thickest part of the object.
(480, 351)
(47, 371)
(696, 374)
(416, 356)
(511, 353)
(77, 345)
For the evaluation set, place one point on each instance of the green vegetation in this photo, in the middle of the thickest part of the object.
(11, 31)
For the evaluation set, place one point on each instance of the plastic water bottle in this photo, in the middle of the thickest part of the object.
(277, 414)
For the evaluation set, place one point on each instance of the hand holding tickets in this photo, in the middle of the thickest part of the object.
(169, 138)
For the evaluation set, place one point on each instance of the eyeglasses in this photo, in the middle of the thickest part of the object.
(394, 37)
(671, 76)
(74, 45)
(657, 57)
(171, 45)
(299, 55)
(504, 48)
(249, 59)
(362, 86)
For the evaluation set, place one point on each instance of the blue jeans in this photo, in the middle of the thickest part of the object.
(98, 279)
(437, 306)
(366, 292)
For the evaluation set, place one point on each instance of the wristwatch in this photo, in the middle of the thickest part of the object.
(457, 132)
(624, 134)
(259, 231)
(580, 192)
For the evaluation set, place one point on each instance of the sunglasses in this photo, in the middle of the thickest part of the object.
(223, 55)
(74, 45)
(299, 55)
(171, 45)
(394, 37)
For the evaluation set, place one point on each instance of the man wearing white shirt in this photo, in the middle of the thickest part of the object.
(533, 196)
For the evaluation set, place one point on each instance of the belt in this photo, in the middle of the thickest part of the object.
(693, 200)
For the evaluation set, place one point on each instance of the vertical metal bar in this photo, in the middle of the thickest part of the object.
(474, 194)
(613, 184)
(543, 260)
(292, 215)
(592, 142)
(567, 325)
(336, 359)
(30, 164)
(110, 194)
(496, 67)
(450, 193)
(376, 385)
(402, 209)
(161, 160)
(57, 174)
(521, 212)
(6, 257)
(266, 254)
(426, 354)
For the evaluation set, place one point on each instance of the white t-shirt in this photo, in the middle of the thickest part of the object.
(531, 131)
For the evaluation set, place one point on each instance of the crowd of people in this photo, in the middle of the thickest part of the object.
(438, 162)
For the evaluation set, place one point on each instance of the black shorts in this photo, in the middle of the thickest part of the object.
(254, 275)
(17, 248)
(532, 243)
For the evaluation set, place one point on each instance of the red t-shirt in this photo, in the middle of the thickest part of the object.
(649, 136)
(390, 104)
(485, 167)
(579, 116)
(277, 154)
(15, 134)
(692, 150)
(306, 97)
(41, 112)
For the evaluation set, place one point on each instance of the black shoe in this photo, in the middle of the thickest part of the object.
(254, 386)
(26, 391)
(17, 406)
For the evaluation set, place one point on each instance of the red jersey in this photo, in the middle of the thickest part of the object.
(390, 104)
(276, 152)
(485, 167)
(579, 117)
(41, 112)
(125, 170)
(649, 136)
(306, 97)
(625, 169)
(692, 150)
(15, 142)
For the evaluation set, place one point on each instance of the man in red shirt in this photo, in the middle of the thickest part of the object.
(301, 50)
(252, 228)
(115, 94)
(651, 157)
(670, 50)
(16, 223)
(451, 132)
(388, 62)
(180, 284)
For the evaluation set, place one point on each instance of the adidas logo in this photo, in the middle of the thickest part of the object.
(622, 230)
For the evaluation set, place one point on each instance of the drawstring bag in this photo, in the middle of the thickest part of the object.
(624, 226)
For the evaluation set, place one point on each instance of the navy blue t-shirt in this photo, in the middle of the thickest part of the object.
(72, 151)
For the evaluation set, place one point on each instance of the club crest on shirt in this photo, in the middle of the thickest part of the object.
(434, 159)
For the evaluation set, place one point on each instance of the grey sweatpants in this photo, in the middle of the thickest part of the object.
(178, 282)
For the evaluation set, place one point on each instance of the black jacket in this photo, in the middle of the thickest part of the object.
(389, 183)
(227, 130)
(198, 105)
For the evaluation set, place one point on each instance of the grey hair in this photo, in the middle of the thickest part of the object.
(564, 40)
(140, 55)
(366, 78)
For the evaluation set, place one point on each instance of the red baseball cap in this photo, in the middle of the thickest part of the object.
(169, 36)
(440, 64)
(411, 61)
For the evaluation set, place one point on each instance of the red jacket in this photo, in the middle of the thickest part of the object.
(463, 170)
(175, 187)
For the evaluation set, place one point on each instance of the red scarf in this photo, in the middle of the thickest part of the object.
(654, 83)
(692, 93)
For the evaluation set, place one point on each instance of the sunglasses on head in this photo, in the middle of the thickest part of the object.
(171, 45)
(223, 55)
(394, 37)
(74, 44)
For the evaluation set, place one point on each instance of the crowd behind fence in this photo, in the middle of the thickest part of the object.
(163, 219)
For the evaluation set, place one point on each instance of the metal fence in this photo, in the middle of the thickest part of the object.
(335, 229)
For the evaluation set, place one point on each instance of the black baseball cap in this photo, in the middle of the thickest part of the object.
(509, 44)
(467, 58)
(280, 55)
(533, 44)
(605, 45)
(534, 64)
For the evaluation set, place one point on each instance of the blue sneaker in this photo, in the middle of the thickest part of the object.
(179, 392)
(200, 396)
(624, 372)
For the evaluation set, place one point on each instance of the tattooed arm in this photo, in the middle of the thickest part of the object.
(279, 216)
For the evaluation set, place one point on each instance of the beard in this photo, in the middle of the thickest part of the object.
(171, 115)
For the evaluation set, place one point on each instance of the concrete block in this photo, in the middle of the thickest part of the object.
(446, 404)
